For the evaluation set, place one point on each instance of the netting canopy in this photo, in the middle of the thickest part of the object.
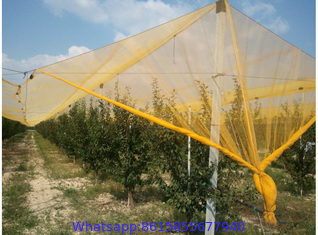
(252, 94)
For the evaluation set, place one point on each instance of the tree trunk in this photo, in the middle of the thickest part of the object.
(130, 199)
(74, 159)
(96, 176)
(189, 216)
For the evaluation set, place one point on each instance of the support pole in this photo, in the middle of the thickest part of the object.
(189, 142)
(100, 93)
(216, 109)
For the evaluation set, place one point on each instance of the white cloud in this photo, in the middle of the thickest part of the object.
(119, 36)
(75, 50)
(129, 17)
(265, 14)
(88, 10)
(37, 61)
(144, 15)
(278, 25)
(5, 58)
(258, 9)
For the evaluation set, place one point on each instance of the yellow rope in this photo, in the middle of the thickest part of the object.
(275, 155)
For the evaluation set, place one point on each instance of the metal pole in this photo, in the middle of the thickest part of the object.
(216, 106)
(100, 93)
(189, 142)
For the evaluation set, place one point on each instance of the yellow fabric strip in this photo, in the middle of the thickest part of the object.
(267, 111)
(163, 123)
(282, 89)
(250, 129)
(13, 84)
(265, 185)
(275, 155)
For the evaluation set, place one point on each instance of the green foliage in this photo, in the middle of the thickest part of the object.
(16, 214)
(132, 144)
(48, 129)
(187, 194)
(22, 167)
(64, 133)
(70, 192)
(231, 176)
(78, 132)
(235, 119)
(100, 148)
(10, 128)
(300, 160)
(107, 139)
(234, 182)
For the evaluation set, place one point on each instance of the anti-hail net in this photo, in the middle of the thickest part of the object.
(251, 93)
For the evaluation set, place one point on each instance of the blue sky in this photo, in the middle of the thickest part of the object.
(40, 32)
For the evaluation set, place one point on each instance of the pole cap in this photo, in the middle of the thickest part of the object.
(220, 6)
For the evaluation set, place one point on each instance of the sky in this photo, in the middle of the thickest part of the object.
(36, 33)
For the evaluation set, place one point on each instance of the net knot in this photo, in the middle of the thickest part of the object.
(266, 186)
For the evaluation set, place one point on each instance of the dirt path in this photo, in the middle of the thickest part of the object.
(44, 196)
(45, 200)
(13, 153)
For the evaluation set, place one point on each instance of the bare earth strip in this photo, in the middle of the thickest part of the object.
(46, 199)
(43, 196)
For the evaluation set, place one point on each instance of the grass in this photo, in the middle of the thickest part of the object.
(282, 179)
(297, 212)
(14, 155)
(22, 167)
(57, 163)
(16, 214)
